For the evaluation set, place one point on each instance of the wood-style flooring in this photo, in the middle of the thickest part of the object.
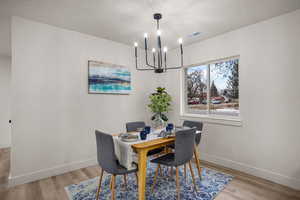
(4, 165)
(243, 186)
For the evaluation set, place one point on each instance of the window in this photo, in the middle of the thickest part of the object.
(212, 88)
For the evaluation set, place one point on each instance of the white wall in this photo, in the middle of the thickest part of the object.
(54, 116)
(267, 143)
(5, 76)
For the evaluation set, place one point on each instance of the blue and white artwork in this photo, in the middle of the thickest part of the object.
(107, 78)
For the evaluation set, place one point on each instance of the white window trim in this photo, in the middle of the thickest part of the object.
(208, 118)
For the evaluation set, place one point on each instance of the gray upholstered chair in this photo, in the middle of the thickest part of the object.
(193, 124)
(133, 126)
(108, 161)
(199, 126)
(184, 149)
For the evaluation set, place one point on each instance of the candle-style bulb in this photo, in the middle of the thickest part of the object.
(165, 49)
(136, 44)
(180, 41)
(145, 35)
(153, 50)
(158, 32)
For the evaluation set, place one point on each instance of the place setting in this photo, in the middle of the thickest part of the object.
(148, 133)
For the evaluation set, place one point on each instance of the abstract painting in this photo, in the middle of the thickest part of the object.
(105, 78)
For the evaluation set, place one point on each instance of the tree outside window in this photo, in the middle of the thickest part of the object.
(213, 88)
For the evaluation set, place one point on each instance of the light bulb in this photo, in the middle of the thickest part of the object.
(136, 44)
(180, 40)
(165, 49)
(145, 35)
(153, 50)
(158, 32)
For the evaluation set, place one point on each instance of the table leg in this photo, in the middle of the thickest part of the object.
(185, 172)
(113, 195)
(125, 181)
(142, 173)
(197, 161)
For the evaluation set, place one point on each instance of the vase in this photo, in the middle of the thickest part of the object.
(158, 122)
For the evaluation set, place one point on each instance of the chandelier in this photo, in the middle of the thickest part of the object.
(159, 57)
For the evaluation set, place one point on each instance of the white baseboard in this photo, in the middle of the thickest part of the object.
(45, 173)
(262, 173)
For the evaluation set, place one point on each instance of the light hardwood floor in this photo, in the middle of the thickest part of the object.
(4, 165)
(243, 186)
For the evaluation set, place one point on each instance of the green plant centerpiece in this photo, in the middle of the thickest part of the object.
(160, 103)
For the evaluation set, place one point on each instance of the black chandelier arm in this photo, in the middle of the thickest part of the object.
(181, 54)
(159, 60)
(159, 57)
(150, 66)
(165, 58)
(144, 69)
(159, 53)
(175, 67)
(136, 66)
(136, 58)
(147, 63)
(146, 53)
(181, 66)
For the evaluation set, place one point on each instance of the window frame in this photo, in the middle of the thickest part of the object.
(207, 115)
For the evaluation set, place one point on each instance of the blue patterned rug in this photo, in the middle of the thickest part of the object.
(211, 184)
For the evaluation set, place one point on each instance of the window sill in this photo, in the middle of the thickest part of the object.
(214, 119)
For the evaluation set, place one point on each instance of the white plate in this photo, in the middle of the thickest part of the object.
(129, 139)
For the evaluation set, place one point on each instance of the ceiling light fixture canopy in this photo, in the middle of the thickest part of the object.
(159, 65)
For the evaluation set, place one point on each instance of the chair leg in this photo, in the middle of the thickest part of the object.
(160, 171)
(137, 179)
(177, 184)
(199, 169)
(155, 177)
(113, 187)
(125, 181)
(197, 159)
(193, 176)
(185, 172)
(110, 183)
(99, 187)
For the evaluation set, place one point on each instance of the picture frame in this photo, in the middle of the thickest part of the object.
(107, 78)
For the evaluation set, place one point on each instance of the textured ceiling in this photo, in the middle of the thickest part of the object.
(126, 21)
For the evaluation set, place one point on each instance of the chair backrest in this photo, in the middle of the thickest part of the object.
(106, 152)
(184, 146)
(197, 125)
(132, 126)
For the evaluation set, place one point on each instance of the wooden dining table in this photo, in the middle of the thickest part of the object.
(142, 149)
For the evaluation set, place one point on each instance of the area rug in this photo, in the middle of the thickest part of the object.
(208, 187)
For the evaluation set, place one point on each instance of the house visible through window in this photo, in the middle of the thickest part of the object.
(213, 88)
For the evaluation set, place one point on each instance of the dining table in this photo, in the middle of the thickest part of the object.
(142, 148)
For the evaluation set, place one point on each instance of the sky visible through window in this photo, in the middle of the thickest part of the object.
(220, 81)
